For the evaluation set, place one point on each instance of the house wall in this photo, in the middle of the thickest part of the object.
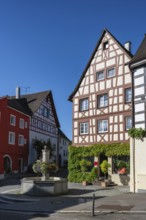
(138, 147)
(13, 151)
(116, 111)
(43, 128)
(138, 164)
(139, 79)
(63, 151)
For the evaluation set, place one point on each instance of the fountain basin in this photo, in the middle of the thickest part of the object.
(34, 186)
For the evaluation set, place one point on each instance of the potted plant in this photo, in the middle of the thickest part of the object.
(104, 168)
(84, 164)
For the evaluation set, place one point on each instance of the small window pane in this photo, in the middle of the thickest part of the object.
(110, 72)
(21, 140)
(21, 123)
(83, 104)
(102, 100)
(11, 138)
(84, 128)
(99, 76)
(128, 122)
(105, 45)
(102, 126)
(128, 95)
(12, 120)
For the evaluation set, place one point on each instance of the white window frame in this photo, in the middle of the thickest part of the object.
(21, 123)
(102, 100)
(84, 128)
(101, 126)
(99, 73)
(12, 117)
(11, 138)
(109, 71)
(21, 140)
(128, 97)
(84, 104)
(127, 127)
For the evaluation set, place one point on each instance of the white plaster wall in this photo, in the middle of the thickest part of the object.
(140, 165)
(139, 81)
(139, 71)
(139, 91)
(139, 107)
(139, 117)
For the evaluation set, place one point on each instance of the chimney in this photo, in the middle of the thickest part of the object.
(127, 45)
(17, 92)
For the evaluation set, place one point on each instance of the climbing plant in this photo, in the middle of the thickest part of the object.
(76, 154)
(137, 133)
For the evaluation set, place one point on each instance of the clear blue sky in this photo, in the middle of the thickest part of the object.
(45, 44)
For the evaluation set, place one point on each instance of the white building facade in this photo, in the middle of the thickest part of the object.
(138, 147)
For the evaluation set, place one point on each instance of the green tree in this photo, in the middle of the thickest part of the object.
(38, 145)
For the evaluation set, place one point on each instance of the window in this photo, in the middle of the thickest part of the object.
(21, 140)
(11, 138)
(13, 120)
(46, 112)
(99, 75)
(102, 126)
(128, 95)
(84, 128)
(105, 45)
(110, 72)
(84, 104)
(102, 100)
(21, 123)
(128, 122)
(25, 124)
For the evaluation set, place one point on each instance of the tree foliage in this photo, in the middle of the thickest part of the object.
(137, 133)
(39, 146)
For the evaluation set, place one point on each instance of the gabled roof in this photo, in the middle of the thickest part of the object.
(32, 102)
(20, 105)
(92, 56)
(35, 100)
(61, 134)
(140, 54)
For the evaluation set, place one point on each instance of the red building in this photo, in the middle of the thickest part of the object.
(14, 135)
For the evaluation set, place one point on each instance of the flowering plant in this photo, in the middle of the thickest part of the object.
(44, 167)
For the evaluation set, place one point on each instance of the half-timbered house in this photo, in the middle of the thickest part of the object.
(102, 109)
(44, 122)
(102, 97)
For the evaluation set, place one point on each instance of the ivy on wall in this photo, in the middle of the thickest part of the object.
(137, 133)
(76, 154)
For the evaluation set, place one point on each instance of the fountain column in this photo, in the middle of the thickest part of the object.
(45, 155)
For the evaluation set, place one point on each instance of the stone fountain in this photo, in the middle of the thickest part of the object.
(45, 185)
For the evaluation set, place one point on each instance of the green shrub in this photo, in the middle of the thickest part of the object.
(76, 154)
(104, 167)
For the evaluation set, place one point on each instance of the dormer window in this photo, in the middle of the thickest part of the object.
(105, 45)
